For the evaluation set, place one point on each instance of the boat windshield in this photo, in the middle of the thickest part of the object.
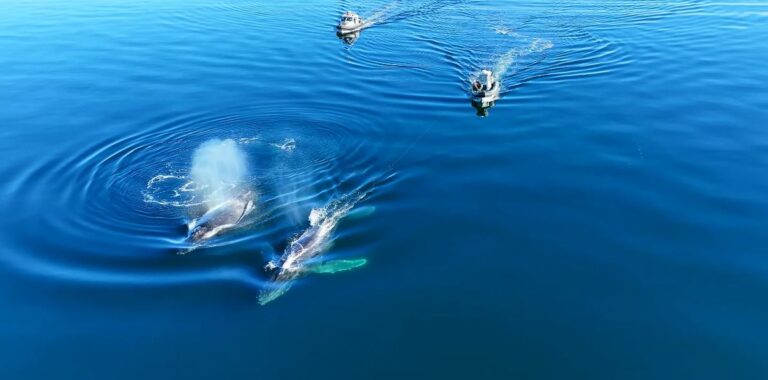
(349, 19)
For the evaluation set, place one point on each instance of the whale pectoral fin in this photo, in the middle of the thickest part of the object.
(246, 210)
(361, 212)
(334, 266)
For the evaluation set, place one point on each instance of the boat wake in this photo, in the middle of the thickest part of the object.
(382, 14)
(510, 58)
(399, 11)
(501, 65)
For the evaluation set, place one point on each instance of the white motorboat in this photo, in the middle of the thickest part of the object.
(485, 94)
(350, 22)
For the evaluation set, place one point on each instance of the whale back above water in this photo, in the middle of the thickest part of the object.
(224, 216)
(298, 256)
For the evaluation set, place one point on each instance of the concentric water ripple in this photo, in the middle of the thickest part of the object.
(131, 196)
(606, 220)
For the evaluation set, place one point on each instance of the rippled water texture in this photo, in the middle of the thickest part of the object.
(603, 219)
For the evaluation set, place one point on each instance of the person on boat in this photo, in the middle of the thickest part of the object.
(488, 79)
(477, 86)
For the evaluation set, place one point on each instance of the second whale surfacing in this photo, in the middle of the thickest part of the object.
(219, 218)
(301, 255)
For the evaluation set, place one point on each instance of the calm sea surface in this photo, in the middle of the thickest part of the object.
(607, 218)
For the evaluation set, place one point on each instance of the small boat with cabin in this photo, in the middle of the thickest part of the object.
(485, 93)
(350, 22)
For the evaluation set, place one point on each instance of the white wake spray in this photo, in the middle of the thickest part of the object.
(508, 59)
(382, 14)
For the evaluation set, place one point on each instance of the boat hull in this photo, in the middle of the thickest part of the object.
(486, 97)
(348, 30)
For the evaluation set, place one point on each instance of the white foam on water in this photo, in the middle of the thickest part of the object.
(315, 239)
(247, 140)
(316, 215)
(506, 60)
(287, 145)
(381, 14)
(503, 30)
(172, 190)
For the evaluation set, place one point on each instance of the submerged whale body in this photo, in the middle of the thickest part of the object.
(222, 217)
(300, 255)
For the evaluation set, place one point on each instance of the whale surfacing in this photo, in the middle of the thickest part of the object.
(297, 258)
(222, 217)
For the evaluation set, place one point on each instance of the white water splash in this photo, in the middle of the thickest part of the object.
(247, 140)
(287, 145)
(172, 190)
(504, 31)
(322, 222)
(217, 175)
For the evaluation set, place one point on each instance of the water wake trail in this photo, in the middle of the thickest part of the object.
(508, 59)
(399, 11)
(382, 14)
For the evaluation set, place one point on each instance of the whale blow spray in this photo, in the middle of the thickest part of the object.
(218, 171)
(218, 167)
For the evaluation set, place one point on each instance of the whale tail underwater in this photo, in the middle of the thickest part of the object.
(302, 255)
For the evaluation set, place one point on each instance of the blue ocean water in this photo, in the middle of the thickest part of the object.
(604, 219)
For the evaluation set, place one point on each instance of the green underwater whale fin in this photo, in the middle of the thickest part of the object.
(361, 212)
(334, 266)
